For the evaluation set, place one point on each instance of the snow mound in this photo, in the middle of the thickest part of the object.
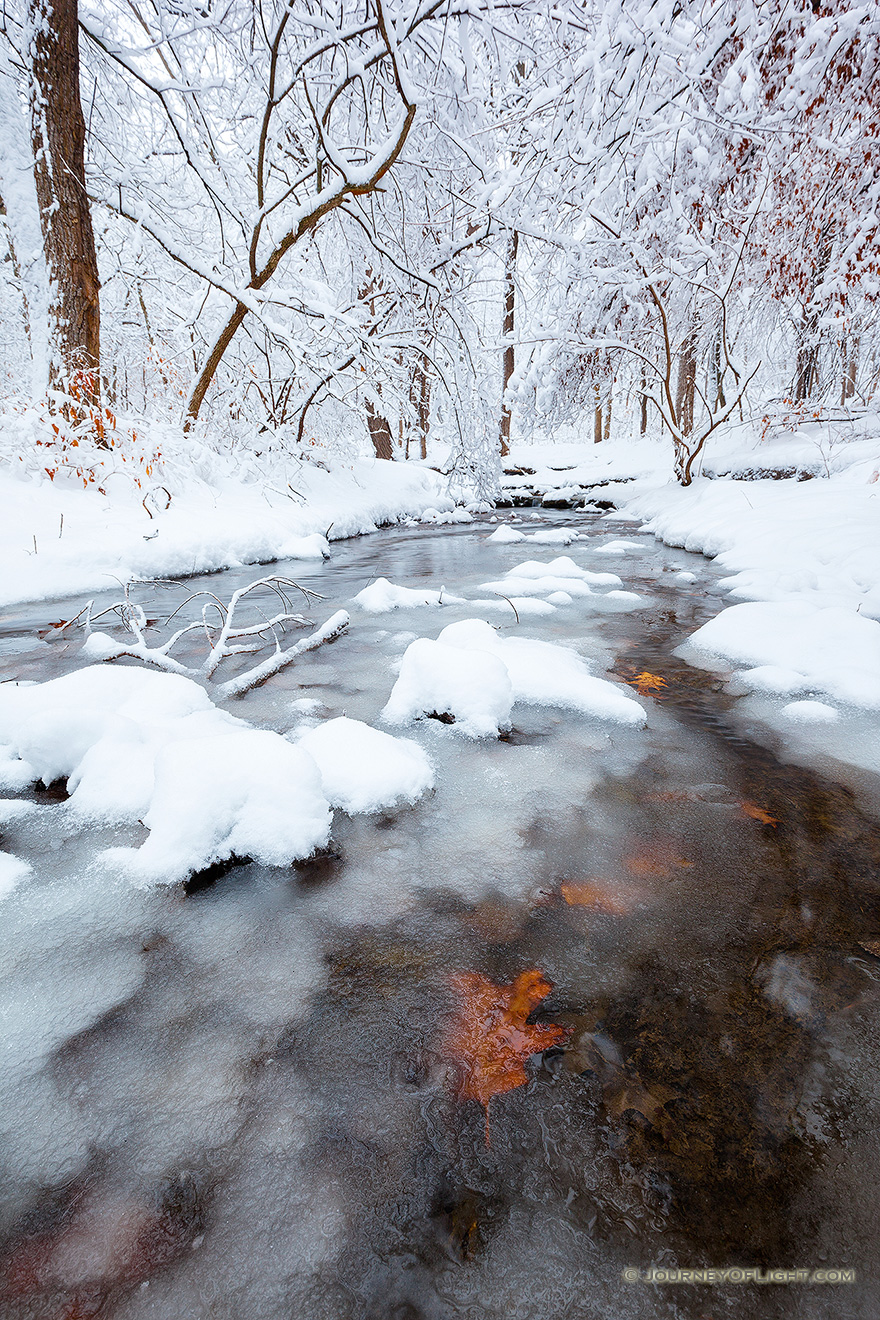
(544, 674)
(811, 712)
(555, 536)
(505, 535)
(248, 793)
(522, 604)
(382, 596)
(315, 546)
(441, 519)
(363, 769)
(836, 650)
(772, 678)
(137, 745)
(12, 871)
(472, 687)
(475, 676)
(533, 578)
(618, 547)
(564, 567)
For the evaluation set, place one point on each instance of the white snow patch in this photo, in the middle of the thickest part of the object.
(382, 596)
(12, 871)
(248, 793)
(617, 547)
(138, 745)
(837, 650)
(811, 712)
(544, 674)
(522, 604)
(363, 769)
(505, 535)
(473, 687)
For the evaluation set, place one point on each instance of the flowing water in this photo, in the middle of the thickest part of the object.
(232, 1099)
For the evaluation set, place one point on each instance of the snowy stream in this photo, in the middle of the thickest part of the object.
(230, 1098)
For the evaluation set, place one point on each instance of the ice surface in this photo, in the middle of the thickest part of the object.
(363, 769)
(382, 596)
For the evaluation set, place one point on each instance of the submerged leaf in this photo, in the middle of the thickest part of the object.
(489, 1036)
(758, 813)
(647, 684)
(617, 900)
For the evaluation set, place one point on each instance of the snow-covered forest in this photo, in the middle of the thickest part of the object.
(433, 227)
(530, 348)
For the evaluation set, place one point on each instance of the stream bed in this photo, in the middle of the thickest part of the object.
(231, 1098)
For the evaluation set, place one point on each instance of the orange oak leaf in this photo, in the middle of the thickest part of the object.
(490, 1038)
(646, 684)
(758, 813)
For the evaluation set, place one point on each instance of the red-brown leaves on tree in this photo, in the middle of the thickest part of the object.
(490, 1039)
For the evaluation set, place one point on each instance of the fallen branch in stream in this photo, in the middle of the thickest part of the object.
(224, 639)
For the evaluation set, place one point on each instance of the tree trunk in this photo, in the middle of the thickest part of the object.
(597, 414)
(58, 134)
(643, 416)
(422, 391)
(606, 427)
(380, 432)
(687, 381)
(850, 369)
(509, 359)
(807, 361)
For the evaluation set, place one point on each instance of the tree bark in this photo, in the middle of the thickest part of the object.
(422, 392)
(807, 361)
(58, 133)
(380, 432)
(509, 361)
(687, 379)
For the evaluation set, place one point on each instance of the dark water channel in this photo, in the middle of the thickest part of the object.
(233, 1101)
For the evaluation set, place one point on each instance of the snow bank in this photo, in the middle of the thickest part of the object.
(475, 676)
(56, 540)
(137, 745)
(363, 769)
(816, 540)
(382, 596)
(830, 649)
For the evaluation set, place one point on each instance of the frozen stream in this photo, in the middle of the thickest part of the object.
(231, 1100)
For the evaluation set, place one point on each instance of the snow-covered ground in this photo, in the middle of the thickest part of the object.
(56, 539)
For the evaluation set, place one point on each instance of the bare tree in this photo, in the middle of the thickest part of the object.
(59, 132)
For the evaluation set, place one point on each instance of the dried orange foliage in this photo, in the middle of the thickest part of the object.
(490, 1037)
(758, 813)
(647, 684)
(616, 901)
(657, 859)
